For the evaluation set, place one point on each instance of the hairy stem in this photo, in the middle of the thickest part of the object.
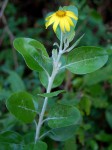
(56, 66)
(51, 79)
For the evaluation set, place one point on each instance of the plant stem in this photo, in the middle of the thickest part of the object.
(56, 66)
(51, 79)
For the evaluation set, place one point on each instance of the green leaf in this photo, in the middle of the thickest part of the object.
(75, 44)
(10, 140)
(34, 53)
(77, 82)
(70, 144)
(57, 81)
(92, 144)
(85, 104)
(86, 59)
(4, 94)
(104, 137)
(10, 137)
(98, 76)
(21, 106)
(67, 35)
(64, 133)
(109, 49)
(100, 102)
(63, 115)
(52, 94)
(29, 137)
(38, 146)
(59, 78)
(12, 146)
(109, 115)
(16, 82)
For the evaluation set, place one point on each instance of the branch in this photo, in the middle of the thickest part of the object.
(2, 36)
(11, 36)
(3, 8)
(7, 29)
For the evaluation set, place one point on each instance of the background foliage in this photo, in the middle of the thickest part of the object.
(91, 93)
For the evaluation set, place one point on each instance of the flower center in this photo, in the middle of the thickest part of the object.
(60, 13)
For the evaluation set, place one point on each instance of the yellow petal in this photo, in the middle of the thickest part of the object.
(69, 21)
(55, 24)
(62, 25)
(71, 14)
(47, 18)
(67, 25)
(46, 25)
(50, 21)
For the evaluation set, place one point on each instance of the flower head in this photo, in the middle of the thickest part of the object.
(61, 18)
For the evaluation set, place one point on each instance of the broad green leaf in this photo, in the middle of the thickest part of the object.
(64, 133)
(109, 49)
(67, 35)
(52, 94)
(4, 94)
(29, 137)
(10, 137)
(38, 146)
(57, 81)
(59, 78)
(10, 140)
(21, 106)
(63, 115)
(8, 122)
(109, 115)
(15, 82)
(34, 53)
(98, 76)
(86, 59)
(69, 99)
(11, 146)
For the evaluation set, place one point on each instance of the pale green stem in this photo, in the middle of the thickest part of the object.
(56, 66)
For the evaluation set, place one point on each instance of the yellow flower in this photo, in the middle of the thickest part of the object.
(62, 18)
